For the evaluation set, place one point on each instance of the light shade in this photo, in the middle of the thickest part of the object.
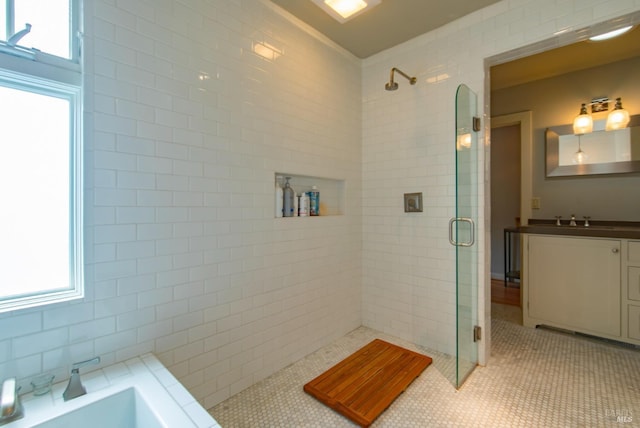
(583, 123)
(618, 118)
(343, 10)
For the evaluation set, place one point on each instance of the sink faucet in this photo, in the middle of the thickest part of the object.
(573, 220)
(75, 388)
(10, 406)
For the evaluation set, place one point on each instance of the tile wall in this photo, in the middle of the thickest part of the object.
(185, 129)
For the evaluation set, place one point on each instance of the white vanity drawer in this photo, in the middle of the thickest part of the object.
(634, 251)
(634, 283)
(634, 322)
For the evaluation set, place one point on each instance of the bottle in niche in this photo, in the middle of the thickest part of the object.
(279, 195)
(314, 201)
(289, 195)
(296, 203)
(303, 205)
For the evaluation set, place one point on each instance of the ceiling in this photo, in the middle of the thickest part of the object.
(388, 24)
(555, 62)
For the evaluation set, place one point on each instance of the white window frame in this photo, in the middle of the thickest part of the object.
(41, 73)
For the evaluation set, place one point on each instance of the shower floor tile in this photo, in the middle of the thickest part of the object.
(535, 378)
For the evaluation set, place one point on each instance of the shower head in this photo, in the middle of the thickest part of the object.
(392, 86)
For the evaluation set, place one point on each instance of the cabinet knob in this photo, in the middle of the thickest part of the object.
(615, 250)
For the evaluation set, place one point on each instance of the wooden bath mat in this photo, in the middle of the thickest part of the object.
(364, 384)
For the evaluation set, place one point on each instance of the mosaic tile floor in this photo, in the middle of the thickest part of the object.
(535, 378)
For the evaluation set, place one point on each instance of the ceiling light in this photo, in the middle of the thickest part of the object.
(610, 34)
(344, 10)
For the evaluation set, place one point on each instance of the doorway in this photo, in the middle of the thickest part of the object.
(510, 166)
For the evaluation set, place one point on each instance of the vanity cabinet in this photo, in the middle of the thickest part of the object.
(632, 301)
(573, 283)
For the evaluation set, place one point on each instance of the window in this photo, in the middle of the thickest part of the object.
(41, 154)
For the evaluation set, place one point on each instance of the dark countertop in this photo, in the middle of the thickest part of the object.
(601, 229)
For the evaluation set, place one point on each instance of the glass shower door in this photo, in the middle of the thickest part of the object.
(462, 233)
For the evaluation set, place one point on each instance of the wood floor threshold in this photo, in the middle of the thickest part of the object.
(363, 385)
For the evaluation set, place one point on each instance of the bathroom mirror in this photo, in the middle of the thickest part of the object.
(599, 152)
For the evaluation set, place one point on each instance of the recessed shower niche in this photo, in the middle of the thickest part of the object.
(332, 191)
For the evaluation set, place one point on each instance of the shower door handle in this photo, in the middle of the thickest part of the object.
(472, 238)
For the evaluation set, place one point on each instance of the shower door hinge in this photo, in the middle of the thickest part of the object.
(476, 123)
(477, 333)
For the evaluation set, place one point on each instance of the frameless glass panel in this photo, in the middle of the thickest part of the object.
(50, 20)
(464, 233)
(35, 167)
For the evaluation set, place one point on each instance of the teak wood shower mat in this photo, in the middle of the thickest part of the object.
(364, 384)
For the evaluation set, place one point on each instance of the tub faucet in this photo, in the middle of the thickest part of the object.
(75, 388)
(573, 220)
(10, 406)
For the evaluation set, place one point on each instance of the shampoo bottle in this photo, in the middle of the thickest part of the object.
(303, 205)
(289, 195)
(279, 195)
(314, 201)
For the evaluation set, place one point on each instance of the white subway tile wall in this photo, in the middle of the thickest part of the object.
(186, 127)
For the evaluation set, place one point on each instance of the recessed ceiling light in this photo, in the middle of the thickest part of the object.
(344, 10)
(610, 34)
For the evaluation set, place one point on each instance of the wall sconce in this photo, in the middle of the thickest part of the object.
(583, 123)
(618, 118)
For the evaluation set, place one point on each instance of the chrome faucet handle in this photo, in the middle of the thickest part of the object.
(573, 220)
(558, 223)
(10, 406)
(82, 364)
(74, 387)
(586, 221)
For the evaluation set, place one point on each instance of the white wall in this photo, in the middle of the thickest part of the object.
(184, 256)
(408, 146)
